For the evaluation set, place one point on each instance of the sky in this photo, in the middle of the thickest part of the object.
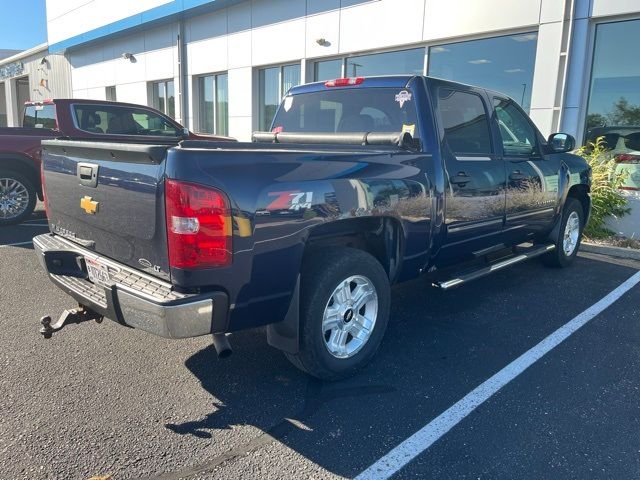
(23, 24)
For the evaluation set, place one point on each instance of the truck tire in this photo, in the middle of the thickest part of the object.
(17, 197)
(569, 236)
(344, 310)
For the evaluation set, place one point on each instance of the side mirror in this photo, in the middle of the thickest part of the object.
(186, 133)
(561, 143)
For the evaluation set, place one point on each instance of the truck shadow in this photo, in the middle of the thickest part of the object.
(438, 347)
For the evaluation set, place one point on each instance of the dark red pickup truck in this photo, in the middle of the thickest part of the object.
(20, 150)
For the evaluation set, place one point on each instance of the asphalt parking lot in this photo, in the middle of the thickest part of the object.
(105, 400)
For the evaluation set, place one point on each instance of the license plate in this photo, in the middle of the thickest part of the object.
(98, 274)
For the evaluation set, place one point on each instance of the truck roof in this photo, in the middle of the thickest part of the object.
(67, 101)
(397, 81)
(393, 81)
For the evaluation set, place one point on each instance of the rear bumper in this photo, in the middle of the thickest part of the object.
(134, 298)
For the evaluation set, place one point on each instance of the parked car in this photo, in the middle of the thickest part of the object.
(20, 149)
(624, 145)
(361, 183)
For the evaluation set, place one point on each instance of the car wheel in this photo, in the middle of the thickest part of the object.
(344, 311)
(569, 235)
(17, 198)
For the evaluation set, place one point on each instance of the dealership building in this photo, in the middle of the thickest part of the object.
(222, 66)
(31, 75)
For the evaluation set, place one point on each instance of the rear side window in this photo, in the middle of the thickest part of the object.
(116, 120)
(349, 110)
(465, 122)
(40, 116)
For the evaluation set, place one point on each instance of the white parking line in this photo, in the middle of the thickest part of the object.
(30, 242)
(417, 443)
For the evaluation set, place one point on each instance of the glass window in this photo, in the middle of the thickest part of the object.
(205, 110)
(171, 100)
(222, 104)
(518, 135)
(614, 96)
(40, 116)
(327, 70)
(163, 97)
(213, 108)
(117, 120)
(348, 110)
(110, 94)
(504, 64)
(274, 83)
(465, 123)
(410, 62)
(290, 78)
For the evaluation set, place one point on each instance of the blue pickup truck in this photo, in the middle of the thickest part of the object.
(361, 183)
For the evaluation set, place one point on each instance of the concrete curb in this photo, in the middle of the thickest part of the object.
(619, 252)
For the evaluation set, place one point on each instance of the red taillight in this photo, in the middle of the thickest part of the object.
(198, 226)
(627, 158)
(44, 193)
(344, 82)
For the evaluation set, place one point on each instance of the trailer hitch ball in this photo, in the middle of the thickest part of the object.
(46, 329)
(75, 315)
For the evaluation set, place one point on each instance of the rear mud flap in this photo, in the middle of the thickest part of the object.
(285, 335)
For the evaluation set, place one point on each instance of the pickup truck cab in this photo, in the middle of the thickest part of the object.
(361, 183)
(20, 148)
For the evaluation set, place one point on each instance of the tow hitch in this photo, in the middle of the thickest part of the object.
(74, 315)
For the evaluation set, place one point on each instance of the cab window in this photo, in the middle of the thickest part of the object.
(465, 122)
(117, 120)
(40, 116)
(352, 110)
(516, 132)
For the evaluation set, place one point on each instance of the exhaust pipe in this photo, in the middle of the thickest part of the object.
(222, 345)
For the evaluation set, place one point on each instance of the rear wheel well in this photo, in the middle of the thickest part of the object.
(581, 193)
(378, 236)
(24, 168)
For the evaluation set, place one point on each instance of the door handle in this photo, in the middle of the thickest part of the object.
(460, 179)
(87, 174)
(517, 176)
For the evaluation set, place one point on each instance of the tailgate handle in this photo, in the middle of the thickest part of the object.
(88, 174)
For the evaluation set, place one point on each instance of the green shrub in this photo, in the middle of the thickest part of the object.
(606, 197)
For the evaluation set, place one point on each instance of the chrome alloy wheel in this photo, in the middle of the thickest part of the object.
(14, 198)
(571, 234)
(350, 316)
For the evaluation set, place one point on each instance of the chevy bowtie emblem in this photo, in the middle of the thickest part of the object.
(89, 205)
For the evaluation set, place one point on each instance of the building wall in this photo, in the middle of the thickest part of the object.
(50, 78)
(70, 18)
(264, 32)
(98, 66)
(256, 33)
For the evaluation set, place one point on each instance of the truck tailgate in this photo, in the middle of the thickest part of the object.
(109, 198)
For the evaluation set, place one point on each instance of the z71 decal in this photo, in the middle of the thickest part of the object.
(290, 200)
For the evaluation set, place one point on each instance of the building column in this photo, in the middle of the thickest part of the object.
(578, 76)
(12, 108)
(3, 104)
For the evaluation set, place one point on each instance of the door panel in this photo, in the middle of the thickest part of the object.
(475, 176)
(532, 180)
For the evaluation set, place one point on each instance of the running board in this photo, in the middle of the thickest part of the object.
(469, 275)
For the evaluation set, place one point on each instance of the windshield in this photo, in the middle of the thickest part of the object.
(40, 116)
(348, 110)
